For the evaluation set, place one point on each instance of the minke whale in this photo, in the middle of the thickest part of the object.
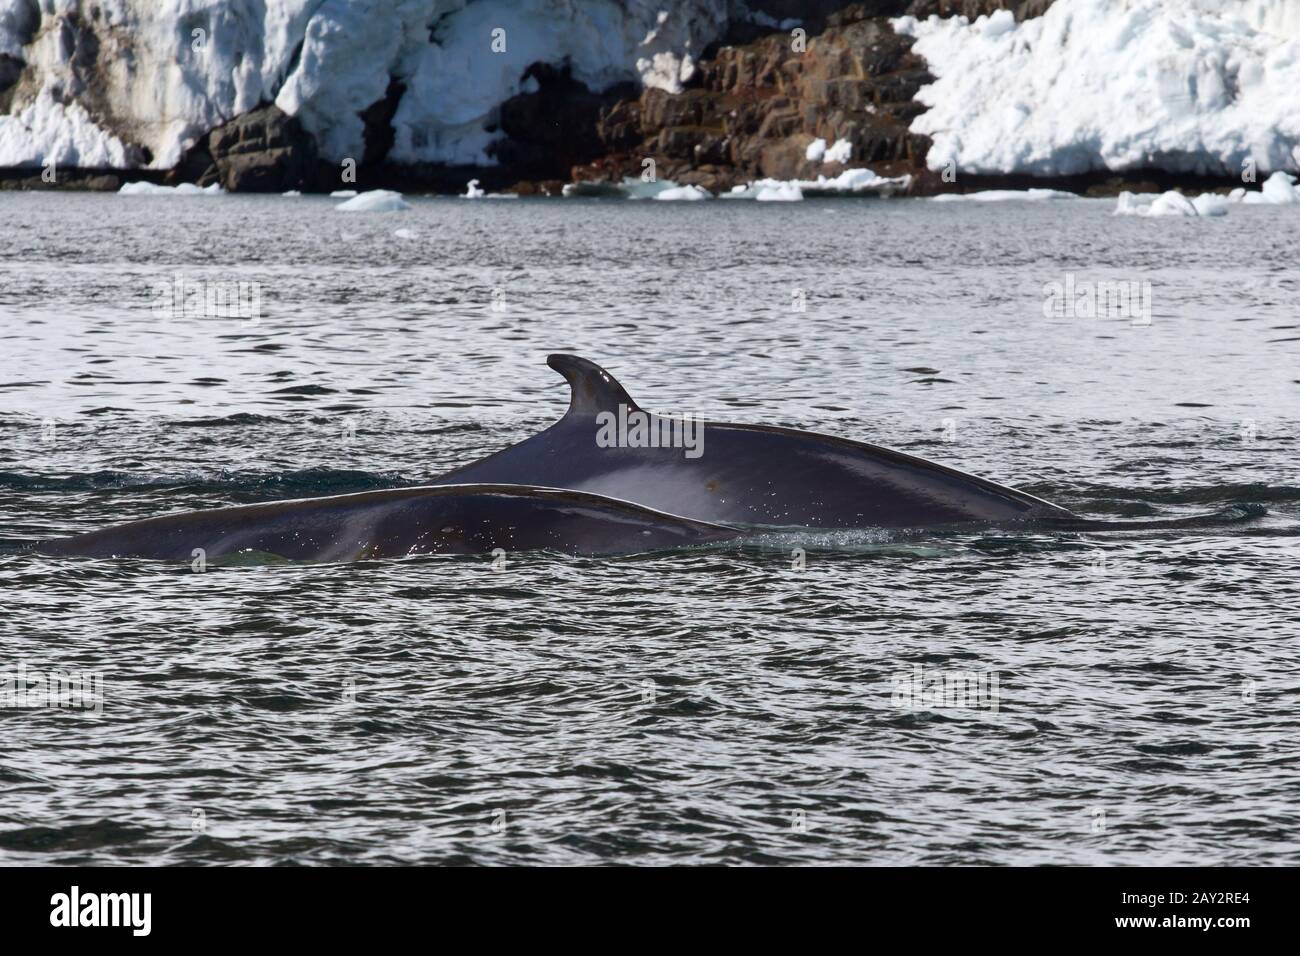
(446, 519)
(736, 474)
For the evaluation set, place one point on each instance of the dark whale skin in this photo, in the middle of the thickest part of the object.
(750, 474)
(447, 519)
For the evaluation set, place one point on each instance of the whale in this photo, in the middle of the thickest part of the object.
(741, 474)
(444, 519)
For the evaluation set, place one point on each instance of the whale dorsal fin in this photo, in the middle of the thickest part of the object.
(592, 389)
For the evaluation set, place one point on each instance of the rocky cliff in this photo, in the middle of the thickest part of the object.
(423, 95)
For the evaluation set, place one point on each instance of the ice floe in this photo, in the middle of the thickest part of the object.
(848, 183)
(375, 200)
(183, 189)
(684, 193)
(1171, 203)
(1006, 195)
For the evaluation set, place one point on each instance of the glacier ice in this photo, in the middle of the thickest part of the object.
(168, 71)
(1198, 86)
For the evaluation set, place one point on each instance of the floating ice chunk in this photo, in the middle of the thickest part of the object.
(851, 182)
(1006, 195)
(343, 193)
(815, 151)
(182, 189)
(841, 152)
(406, 234)
(376, 200)
(291, 192)
(1278, 190)
(778, 191)
(1210, 204)
(472, 191)
(1171, 203)
(687, 193)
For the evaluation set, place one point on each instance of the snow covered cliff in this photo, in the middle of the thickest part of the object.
(267, 93)
(98, 84)
(1193, 86)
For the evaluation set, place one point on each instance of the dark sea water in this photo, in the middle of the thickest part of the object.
(1136, 702)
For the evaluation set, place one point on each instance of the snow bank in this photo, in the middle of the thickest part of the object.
(170, 70)
(841, 152)
(184, 189)
(1190, 86)
(819, 152)
(375, 200)
(1006, 195)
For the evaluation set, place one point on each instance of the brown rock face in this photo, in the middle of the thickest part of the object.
(754, 107)
(262, 151)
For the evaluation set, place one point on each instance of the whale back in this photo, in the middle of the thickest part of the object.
(739, 474)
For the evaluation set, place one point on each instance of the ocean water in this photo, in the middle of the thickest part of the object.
(1115, 698)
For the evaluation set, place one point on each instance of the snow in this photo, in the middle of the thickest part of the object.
(325, 61)
(1006, 195)
(684, 193)
(47, 130)
(1196, 86)
(841, 152)
(818, 152)
(183, 189)
(375, 200)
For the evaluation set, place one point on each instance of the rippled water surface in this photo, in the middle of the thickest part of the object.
(716, 705)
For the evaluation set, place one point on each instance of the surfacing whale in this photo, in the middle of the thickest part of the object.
(742, 474)
(447, 519)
